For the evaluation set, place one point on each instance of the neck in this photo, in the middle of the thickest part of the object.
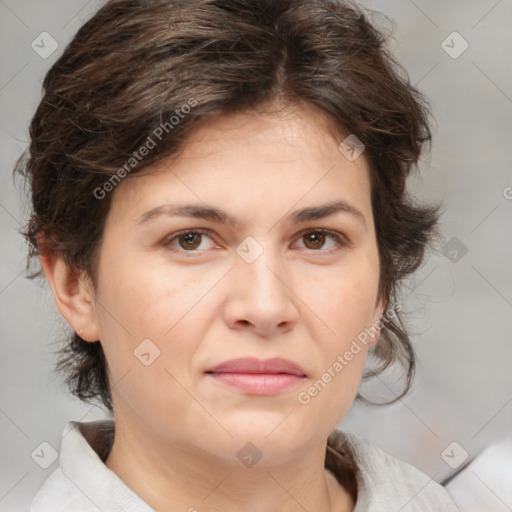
(175, 477)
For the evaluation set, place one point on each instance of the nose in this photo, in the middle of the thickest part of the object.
(261, 297)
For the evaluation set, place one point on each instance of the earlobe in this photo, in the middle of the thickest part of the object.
(73, 295)
(377, 322)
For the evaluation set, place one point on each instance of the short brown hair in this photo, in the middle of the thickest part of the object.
(134, 66)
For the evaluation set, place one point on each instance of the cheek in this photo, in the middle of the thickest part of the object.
(347, 302)
(346, 305)
(141, 317)
(145, 310)
(144, 301)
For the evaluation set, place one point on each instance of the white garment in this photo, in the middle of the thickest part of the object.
(486, 482)
(82, 482)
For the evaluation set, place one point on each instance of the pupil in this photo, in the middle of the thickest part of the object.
(189, 239)
(316, 239)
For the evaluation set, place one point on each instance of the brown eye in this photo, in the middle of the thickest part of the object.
(317, 239)
(314, 240)
(189, 240)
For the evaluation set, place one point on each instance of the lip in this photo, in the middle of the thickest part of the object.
(258, 377)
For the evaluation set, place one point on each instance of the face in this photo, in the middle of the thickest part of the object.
(178, 295)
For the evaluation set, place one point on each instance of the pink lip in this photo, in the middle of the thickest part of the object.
(257, 377)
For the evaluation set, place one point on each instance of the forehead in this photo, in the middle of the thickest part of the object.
(253, 160)
(298, 130)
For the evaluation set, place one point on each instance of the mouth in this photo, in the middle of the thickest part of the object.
(258, 377)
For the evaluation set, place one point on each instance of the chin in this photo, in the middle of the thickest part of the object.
(259, 451)
(277, 440)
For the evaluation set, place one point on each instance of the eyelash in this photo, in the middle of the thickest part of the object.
(338, 238)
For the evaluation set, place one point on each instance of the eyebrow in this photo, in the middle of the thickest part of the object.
(214, 214)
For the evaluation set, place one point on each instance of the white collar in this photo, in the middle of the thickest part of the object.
(82, 482)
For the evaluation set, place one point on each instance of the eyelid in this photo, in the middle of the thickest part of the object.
(340, 239)
(166, 242)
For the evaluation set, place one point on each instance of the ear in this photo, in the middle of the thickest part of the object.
(73, 295)
(376, 326)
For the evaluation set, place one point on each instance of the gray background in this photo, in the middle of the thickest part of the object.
(460, 305)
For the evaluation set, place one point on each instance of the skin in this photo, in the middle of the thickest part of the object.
(178, 430)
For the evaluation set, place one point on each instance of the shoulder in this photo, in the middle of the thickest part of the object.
(62, 490)
(82, 482)
(384, 480)
(58, 494)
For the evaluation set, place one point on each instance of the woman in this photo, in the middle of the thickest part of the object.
(219, 207)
